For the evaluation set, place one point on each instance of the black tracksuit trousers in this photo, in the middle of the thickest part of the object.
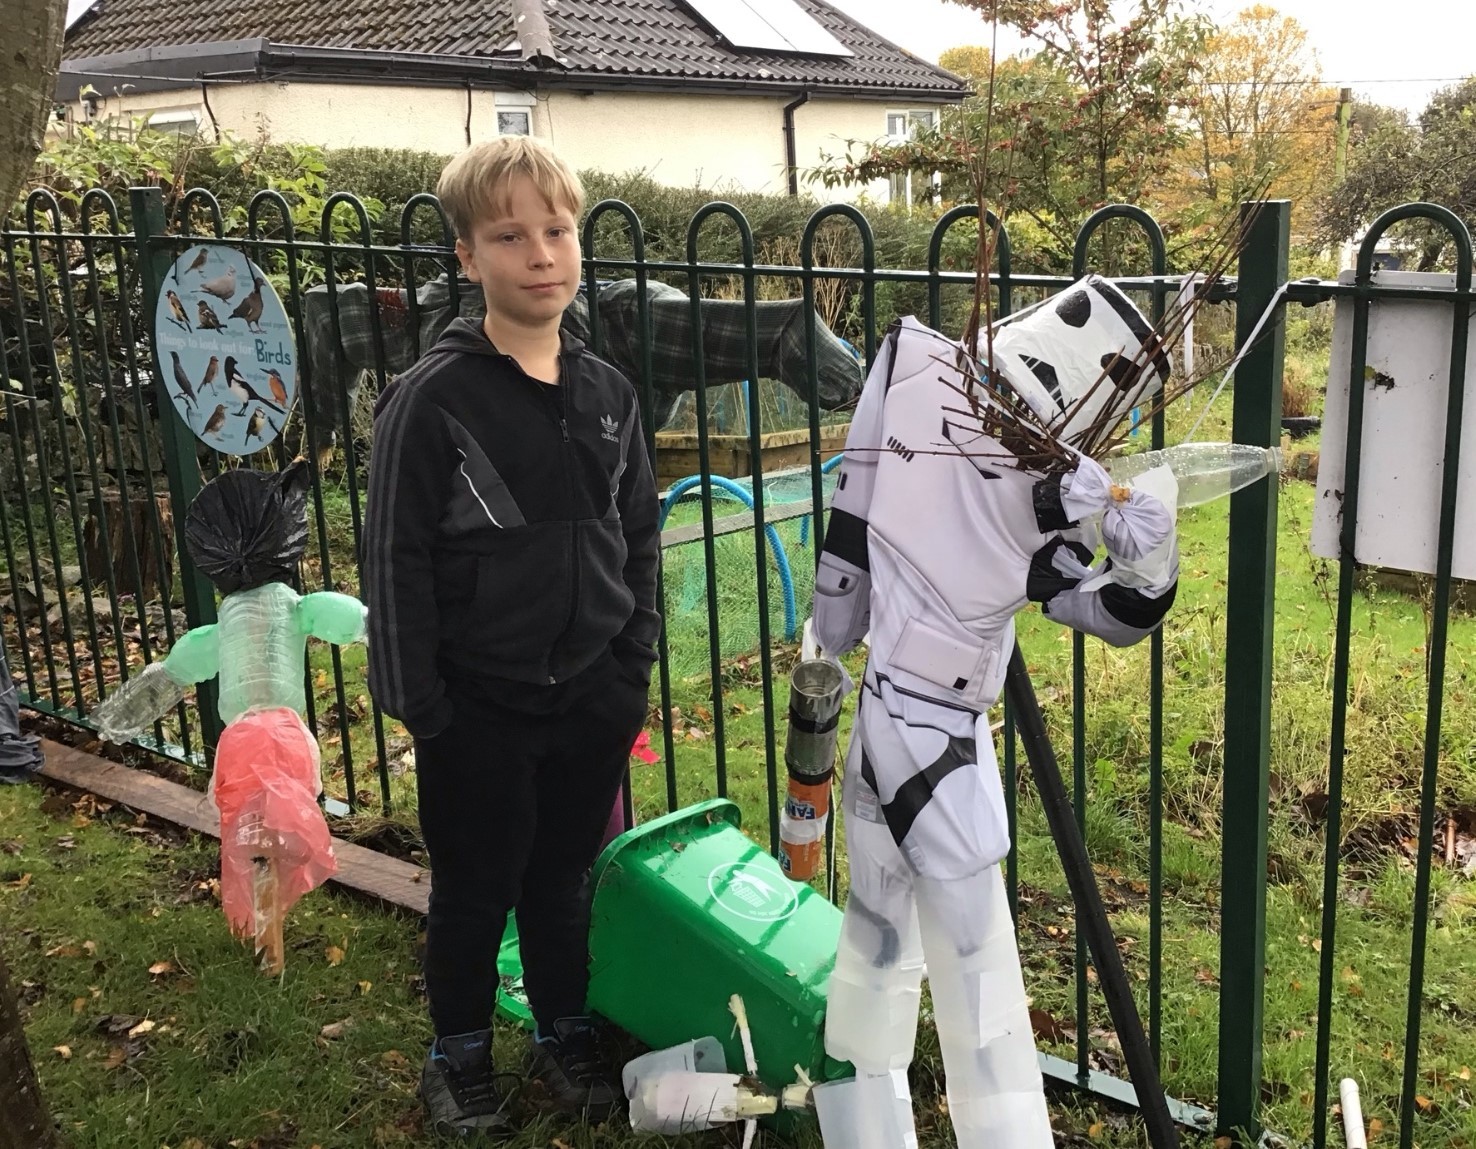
(514, 798)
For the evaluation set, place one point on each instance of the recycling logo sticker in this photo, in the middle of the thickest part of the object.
(226, 349)
(758, 893)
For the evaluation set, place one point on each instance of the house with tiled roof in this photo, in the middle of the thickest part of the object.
(718, 93)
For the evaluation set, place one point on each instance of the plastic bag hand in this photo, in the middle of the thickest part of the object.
(810, 649)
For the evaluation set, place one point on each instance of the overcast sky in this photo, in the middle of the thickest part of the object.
(1396, 61)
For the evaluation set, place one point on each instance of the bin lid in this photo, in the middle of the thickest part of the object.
(688, 820)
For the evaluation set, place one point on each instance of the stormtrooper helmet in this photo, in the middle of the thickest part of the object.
(1054, 355)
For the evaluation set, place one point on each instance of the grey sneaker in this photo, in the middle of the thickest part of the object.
(570, 1064)
(459, 1088)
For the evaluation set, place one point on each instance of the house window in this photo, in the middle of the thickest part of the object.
(516, 123)
(903, 126)
(184, 122)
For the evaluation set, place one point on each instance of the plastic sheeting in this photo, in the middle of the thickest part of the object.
(266, 787)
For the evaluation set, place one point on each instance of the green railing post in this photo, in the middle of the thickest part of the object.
(150, 227)
(1249, 634)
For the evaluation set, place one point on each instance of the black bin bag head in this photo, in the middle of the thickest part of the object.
(249, 528)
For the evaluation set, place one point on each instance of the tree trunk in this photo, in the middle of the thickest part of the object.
(24, 1121)
(28, 67)
(126, 546)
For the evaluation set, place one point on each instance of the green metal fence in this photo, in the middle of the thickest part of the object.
(100, 472)
(1365, 292)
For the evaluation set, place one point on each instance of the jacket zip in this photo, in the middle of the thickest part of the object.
(563, 406)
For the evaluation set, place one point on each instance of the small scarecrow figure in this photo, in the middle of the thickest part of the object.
(246, 531)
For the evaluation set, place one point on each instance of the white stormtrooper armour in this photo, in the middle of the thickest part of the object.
(936, 539)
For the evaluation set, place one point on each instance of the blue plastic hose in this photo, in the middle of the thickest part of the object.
(740, 494)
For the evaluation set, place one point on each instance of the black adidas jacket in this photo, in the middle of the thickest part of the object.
(511, 532)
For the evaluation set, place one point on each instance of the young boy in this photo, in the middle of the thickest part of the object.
(510, 568)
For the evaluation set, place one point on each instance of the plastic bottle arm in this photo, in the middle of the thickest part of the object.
(160, 686)
(196, 656)
(333, 617)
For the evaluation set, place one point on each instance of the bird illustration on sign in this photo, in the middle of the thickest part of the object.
(231, 360)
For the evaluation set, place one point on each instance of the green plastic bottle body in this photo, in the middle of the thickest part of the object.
(261, 651)
(333, 617)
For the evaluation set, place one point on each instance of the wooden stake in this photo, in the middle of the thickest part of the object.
(266, 908)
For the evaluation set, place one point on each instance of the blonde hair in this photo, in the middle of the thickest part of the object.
(477, 184)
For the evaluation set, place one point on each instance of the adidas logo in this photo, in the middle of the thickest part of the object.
(611, 426)
(901, 449)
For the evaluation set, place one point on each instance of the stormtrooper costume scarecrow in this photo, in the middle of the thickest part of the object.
(937, 537)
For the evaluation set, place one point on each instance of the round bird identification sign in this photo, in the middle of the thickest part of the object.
(226, 349)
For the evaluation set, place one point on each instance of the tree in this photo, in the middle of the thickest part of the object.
(970, 62)
(1262, 113)
(1128, 82)
(1092, 115)
(24, 1122)
(31, 59)
(1392, 161)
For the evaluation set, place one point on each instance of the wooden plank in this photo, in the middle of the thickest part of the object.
(367, 871)
(133, 788)
(728, 524)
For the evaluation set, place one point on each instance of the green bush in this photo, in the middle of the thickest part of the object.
(384, 180)
(392, 176)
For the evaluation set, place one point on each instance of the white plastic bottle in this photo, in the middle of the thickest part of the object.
(1204, 471)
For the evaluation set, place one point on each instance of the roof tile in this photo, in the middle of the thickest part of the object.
(638, 39)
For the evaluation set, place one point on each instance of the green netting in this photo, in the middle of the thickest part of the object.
(788, 562)
(728, 410)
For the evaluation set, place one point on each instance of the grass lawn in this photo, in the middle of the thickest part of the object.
(89, 902)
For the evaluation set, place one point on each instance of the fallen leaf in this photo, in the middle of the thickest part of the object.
(20, 883)
(13, 846)
(1375, 1127)
(334, 955)
(160, 968)
(64, 1050)
(78, 1005)
(1046, 1027)
(334, 1030)
(1464, 1074)
(394, 1059)
(1205, 976)
(65, 843)
(1224, 1142)
(91, 948)
(55, 804)
(365, 987)
(1094, 1130)
(116, 1057)
(67, 950)
(145, 1026)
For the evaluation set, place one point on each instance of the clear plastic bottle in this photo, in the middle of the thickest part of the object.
(1204, 471)
(130, 709)
(256, 648)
